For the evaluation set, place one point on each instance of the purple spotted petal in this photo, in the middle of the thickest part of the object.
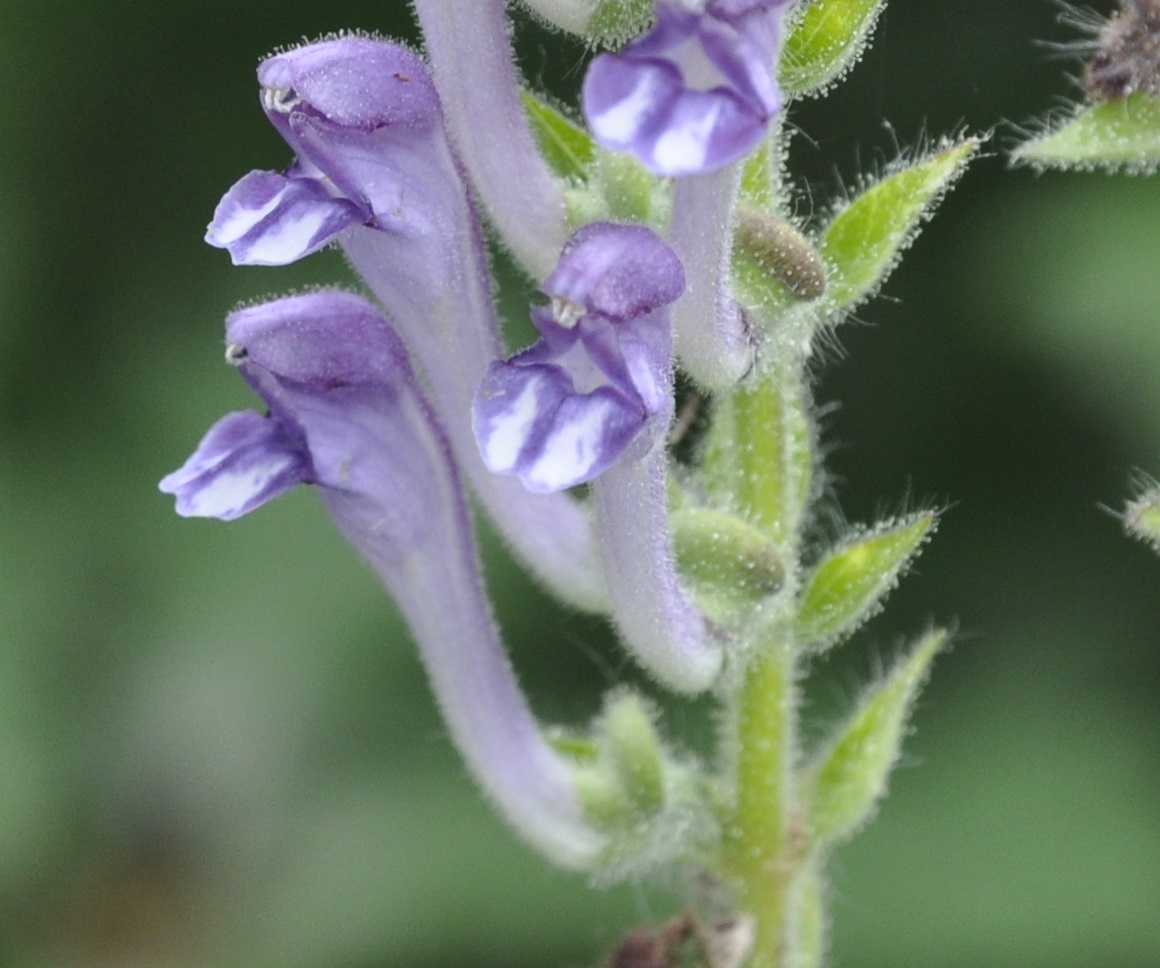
(529, 421)
(243, 461)
(597, 387)
(270, 219)
(693, 94)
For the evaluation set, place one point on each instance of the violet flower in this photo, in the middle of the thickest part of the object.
(692, 97)
(695, 92)
(345, 414)
(592, 401)
(374, 171)
(563, 411)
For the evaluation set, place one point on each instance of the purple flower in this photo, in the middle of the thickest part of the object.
(327, 366)
(591, 401)
(694, 93)
(599, 380)
(352, 109)
(346, 414)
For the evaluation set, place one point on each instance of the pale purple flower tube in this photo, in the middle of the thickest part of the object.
(345, 414)
(373, 168)
(470, 48)
(713, 342)
(592, 401)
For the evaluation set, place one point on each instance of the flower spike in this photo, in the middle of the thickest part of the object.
(346, 414)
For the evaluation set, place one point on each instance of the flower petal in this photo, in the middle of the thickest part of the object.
(618, 271)
(386, 172)
(327, 338)
(645, 109)
(243, 461)
(530, 422)
(351, 81)
(269, 219)
(588, 434)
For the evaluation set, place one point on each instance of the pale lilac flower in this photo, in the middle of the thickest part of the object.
(694, 93)
(592, 401)
(373, 170)
(346, 414)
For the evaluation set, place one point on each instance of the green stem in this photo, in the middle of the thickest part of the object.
(760, 824)
(771, 442)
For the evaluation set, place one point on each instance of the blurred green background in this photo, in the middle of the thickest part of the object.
(216, 744)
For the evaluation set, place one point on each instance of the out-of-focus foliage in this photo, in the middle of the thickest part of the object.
(216, 747)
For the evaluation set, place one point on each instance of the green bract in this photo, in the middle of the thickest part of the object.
(849, 776)
(863, 242)
(849, 585)
(729, 565)
(1142, 517)
(566, 146)
(1120, 135)
(620, 772)
(824, 42)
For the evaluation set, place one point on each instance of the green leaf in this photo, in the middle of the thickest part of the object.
(863, 242)
(1121, 135)
(566, 146)
(728, 565)
(849, 585)
(824, 42)
(849, 777)
(1142, 517)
